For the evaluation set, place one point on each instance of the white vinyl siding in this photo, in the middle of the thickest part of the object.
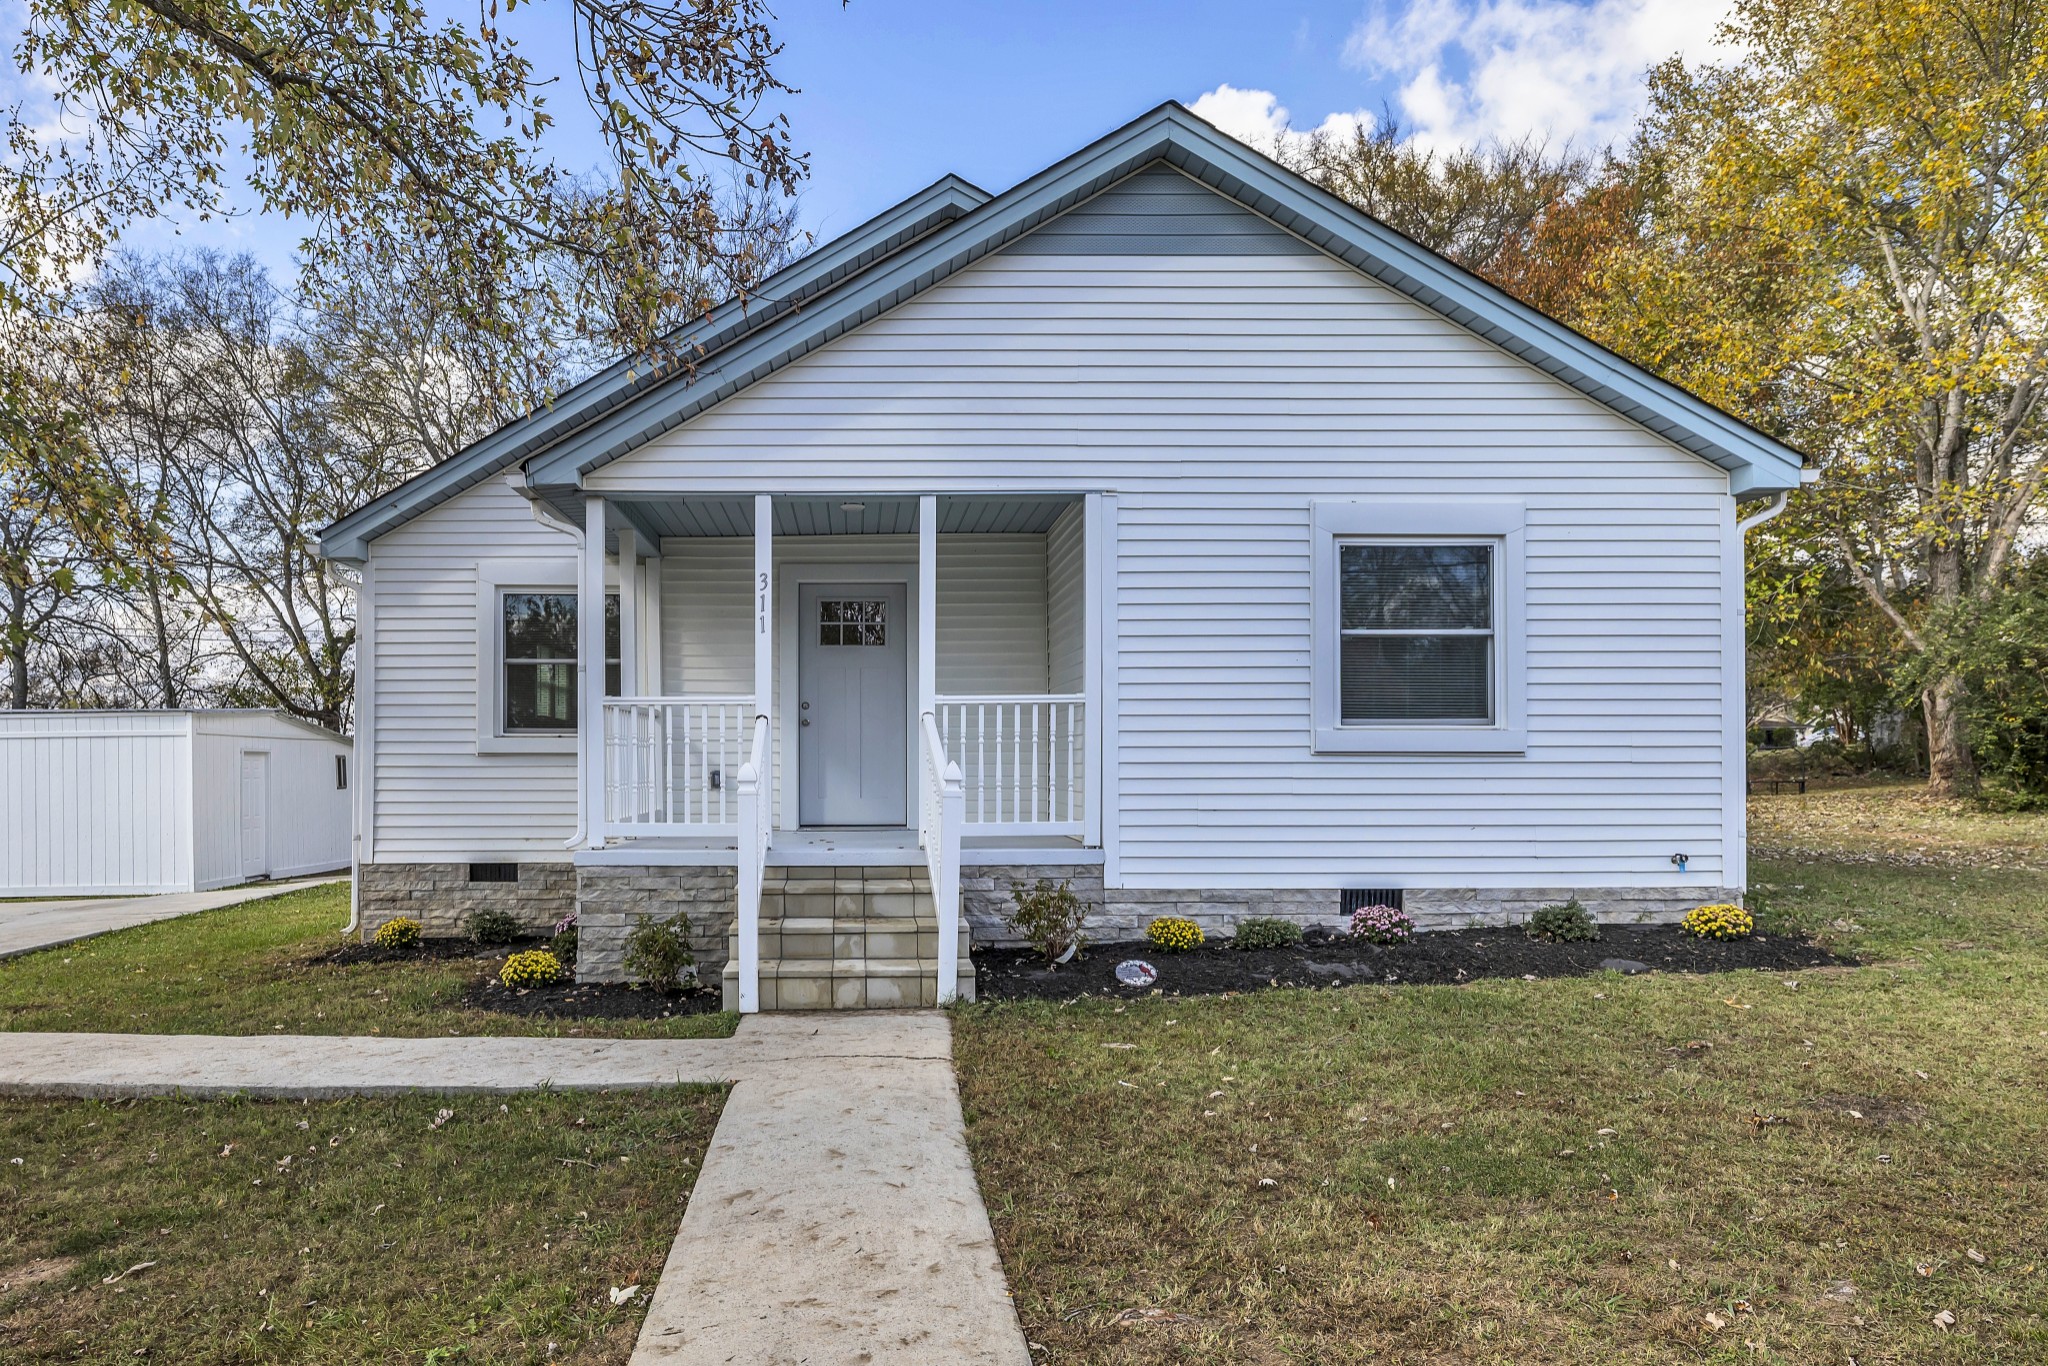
(1217, 398)
(1066, 619)
(435, 798)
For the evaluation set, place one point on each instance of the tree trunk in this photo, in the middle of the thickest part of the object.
(1951, 771)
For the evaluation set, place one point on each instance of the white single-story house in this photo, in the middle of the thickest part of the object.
(139, 802)
(1162, 523)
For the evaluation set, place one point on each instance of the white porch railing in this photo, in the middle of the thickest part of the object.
(939, 820)
(1022, 758)
(670, 763)
(756, 815)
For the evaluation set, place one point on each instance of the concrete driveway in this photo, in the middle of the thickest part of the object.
(26, 926)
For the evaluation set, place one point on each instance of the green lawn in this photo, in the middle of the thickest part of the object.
(250, 969)
(1782, 1167)
(340, 1231)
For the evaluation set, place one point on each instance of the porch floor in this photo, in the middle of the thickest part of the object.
(828, 848)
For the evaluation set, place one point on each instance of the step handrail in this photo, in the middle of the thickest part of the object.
(757, 807)
(941, 811)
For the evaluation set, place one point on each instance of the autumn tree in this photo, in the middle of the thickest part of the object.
(1850, 245)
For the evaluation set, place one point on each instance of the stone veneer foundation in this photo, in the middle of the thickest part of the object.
(612, 900)
(442, 898)
(1124, 912)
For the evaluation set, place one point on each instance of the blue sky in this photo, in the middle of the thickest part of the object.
(895, 93)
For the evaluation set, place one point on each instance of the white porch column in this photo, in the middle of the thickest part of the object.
(629, 612)
(1093, 551)
(650, 684)
(927, 603)
(764, 607)
(590, 671)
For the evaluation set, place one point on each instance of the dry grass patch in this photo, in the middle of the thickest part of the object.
(255, 969)
(340, 1231)
(1894, 823)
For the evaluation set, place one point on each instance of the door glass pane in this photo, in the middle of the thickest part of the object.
(1417, 587)
(1418, 678)
(853, 621)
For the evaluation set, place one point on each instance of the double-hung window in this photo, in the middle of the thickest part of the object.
(1418, 626)
(536, 659)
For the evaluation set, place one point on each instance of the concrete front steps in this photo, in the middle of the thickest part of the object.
(849, 938)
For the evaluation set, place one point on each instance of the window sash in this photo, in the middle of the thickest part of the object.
(552, 682)
(1488, 678)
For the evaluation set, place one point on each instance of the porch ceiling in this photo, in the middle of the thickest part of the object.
(830, 517)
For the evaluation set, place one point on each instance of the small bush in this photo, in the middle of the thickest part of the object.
(492, 927)
(402, 933)
(1048, 917)
(1174, 934)
(1266, 932)
(1719, 921)
(563, 944)
(533, 968)
(1566, 924)
(658, 952)
(1382, 925)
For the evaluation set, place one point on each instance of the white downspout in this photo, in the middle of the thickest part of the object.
(358, 804)
(1757, 519)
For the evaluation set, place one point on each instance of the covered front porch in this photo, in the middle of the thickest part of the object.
(841, 681)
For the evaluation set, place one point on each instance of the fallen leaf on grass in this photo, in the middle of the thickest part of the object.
(1119, 1045)
(1974, 1255)
(1716, 1322)
(442, 1117)
(1944, 1320)
(123, 1275)
(1731, 1001)
(620, 1294)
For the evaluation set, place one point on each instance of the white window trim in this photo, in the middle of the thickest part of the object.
(1397, 520)
(494, 579)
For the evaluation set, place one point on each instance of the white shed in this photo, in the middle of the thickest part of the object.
(133, 802)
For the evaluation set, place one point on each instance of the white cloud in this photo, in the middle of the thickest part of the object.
(1564, 70)
(1257, 117)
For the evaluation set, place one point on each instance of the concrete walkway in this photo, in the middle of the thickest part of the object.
(26, 926)
(836, 1219)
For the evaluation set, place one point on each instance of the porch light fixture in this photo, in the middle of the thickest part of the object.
(853, 507)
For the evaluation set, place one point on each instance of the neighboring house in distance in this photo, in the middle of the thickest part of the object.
(140, 802)
(1161, 523)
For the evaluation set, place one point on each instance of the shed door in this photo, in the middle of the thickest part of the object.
(255, 815)
(853, 701)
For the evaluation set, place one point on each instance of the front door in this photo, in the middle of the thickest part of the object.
(853, 681)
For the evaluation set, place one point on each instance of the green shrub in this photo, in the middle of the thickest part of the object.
(401, 933)
(1266, 932)
(1174, 934)
(658, 952)
(1566, 924)
(1719, 921)
(1049, 917)
(563, 945)
(533, 968)
(492, 927)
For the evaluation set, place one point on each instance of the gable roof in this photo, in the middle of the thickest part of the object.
(952, 225)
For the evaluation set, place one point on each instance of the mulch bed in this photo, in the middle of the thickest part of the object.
(568, 1001)
(1440, 957)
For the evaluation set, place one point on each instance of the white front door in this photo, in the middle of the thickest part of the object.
(853, 702)
(255, 815)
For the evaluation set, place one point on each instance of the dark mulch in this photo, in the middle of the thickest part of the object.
(435, 950)
(569, 1000)
(1441, 957)
(591, 1001)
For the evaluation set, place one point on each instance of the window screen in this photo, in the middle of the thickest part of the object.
(540, 659)
(1418, 624)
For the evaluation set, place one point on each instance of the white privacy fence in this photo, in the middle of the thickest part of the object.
(671, 764)
(1022, 760)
